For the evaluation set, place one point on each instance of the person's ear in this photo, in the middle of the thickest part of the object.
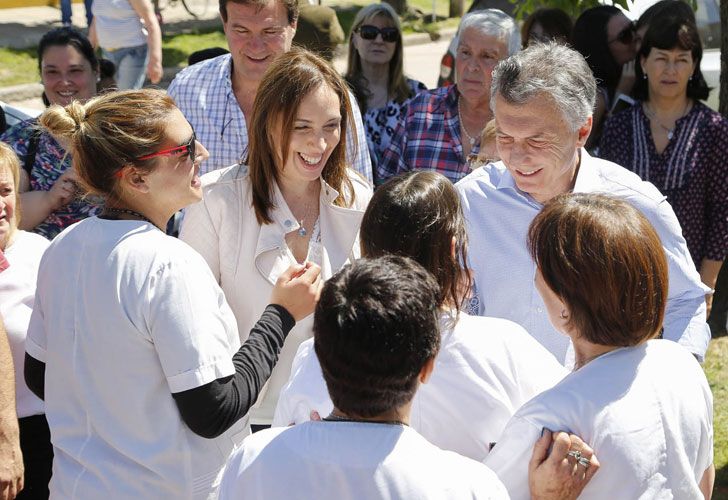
(134, 179)
(426, 371)
(584, 132)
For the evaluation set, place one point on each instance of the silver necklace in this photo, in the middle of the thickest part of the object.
(470, 138)
(302, 230)
(670, 131)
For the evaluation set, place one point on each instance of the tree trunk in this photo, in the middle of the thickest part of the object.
(457, 8)
(400, 6)
(723, 97)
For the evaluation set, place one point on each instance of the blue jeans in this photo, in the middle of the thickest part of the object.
(131, 65)
(66, 11)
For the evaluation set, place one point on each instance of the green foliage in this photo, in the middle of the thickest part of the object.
(571, 7)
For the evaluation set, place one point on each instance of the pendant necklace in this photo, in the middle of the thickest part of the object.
(470, 139)
(670, 131)
(302, 230)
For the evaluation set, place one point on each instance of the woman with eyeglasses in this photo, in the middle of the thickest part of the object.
(131, 342)
(441, 129)
(607, 40)
(675, 141)
(294, 201)
(375, 73)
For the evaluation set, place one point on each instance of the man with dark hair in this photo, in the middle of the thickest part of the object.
(376, 335)
(217, 95)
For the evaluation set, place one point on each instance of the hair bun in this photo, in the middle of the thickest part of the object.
(63, 122)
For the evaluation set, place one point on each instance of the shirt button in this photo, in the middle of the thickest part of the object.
(288, 223)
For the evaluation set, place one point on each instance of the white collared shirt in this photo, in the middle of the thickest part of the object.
(498, 215)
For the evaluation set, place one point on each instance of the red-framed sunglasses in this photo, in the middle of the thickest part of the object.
(188, 148)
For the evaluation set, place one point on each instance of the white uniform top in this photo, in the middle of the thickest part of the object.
(647, 412)
(352, 460)
(486, 369)
(124, 317)
(17, 295)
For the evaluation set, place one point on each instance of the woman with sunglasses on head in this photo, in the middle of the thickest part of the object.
(294, 201)
(375, 73)
(131, 342)
(606, 39)
(675, 141)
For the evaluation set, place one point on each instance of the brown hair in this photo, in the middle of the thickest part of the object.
(289, 79)
(109, 132)
(605, 261)
(9, 160)
(290, 5)
(417, 215)
(556, 25)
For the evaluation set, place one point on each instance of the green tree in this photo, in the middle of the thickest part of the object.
(571, 7)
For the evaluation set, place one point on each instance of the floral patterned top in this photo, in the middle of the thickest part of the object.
(380, 123)
(51, 161)
(691, 172)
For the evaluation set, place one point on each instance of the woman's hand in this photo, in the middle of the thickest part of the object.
(298, 290)
(154, 70)
(626, 81)
(63, 190)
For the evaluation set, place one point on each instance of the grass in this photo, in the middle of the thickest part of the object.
(18, 66)
(716, 369)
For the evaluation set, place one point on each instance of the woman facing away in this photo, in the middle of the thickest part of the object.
(486, 368)
(131, 342)
(294, 201)
(375, 73)
(643, 404)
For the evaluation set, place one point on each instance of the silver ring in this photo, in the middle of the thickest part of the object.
(574, 453)
(583, 461)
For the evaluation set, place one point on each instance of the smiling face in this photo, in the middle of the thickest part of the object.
(668, 71)
(256, 36)
(375, 51)
(67, 75)
(316, 132)
(477, 55)
(537, 146)
(8, 198)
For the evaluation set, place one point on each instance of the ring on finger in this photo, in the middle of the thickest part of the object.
(574, 453)
(583, 461)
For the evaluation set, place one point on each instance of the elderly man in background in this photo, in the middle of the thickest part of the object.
(543, 99)
(217, 95)
(442, 128)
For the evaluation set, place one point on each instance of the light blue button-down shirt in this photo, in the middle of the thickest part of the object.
(204, 94)
(498, 215)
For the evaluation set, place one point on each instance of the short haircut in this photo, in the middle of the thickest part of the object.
(589, 38)
(110, 132)
(496, 23)
(676, 8)
(375, 326)
(547, 69)
(417, 215)
(605, 261)
(289, 79)
(9, 160)
(667, 33)
(290, 5)
(556, 25)
(67, 36)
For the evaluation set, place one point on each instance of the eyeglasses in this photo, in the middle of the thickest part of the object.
(369, 32)
(626, 36)
(189, 148)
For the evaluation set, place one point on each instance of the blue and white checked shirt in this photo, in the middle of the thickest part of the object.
(204, 94)
(498, 215)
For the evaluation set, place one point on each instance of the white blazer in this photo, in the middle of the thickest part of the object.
(247, 258)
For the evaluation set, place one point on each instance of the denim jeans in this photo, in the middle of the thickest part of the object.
(66, 11)
(131, 65)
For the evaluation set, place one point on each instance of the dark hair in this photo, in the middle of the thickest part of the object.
(556, 24)
(375, 326)
(109, 132)
(288, 80)
(290, 5)
(417, 215)
(667, 34)
(205, 54)
(589, 37)
(64, 36)
(605, 261)
(672, 8)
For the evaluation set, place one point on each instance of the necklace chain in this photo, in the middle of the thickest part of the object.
(670, 131)
(470, 138)
(302, 232)
(127, 211)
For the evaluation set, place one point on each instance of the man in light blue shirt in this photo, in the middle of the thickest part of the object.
(217, 95)
(542, 100)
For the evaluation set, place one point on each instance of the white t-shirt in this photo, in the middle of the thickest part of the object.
(647, 412)
(352, 460)
(124, 317)
(17, 294)
(486, 369)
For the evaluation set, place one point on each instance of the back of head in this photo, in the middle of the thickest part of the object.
(109, 132)
(605, 261)
(547, 70)
(418, 215)
(67, 36)
(589, 38)
(375, 327)
(669, 8)
(290, 79)
(555, 24)
(495, 23)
